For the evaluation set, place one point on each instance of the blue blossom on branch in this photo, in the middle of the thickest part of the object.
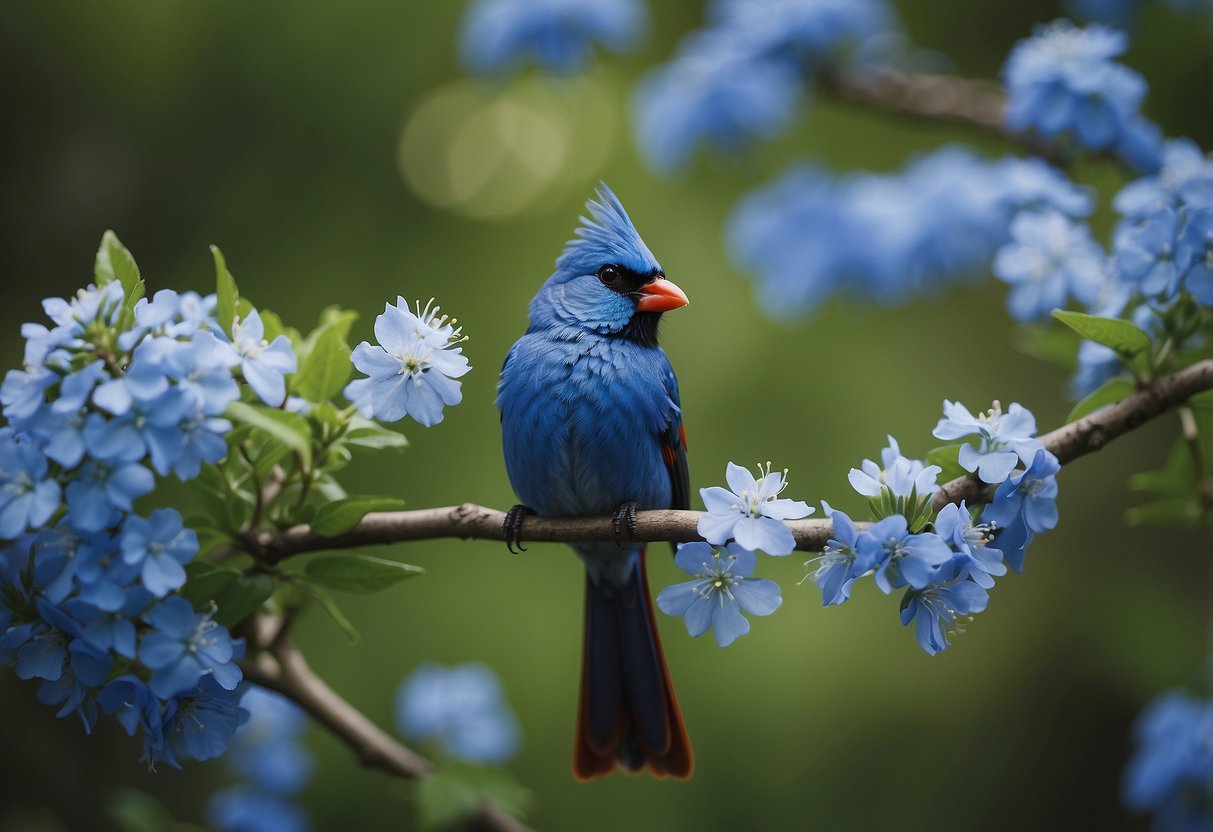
(939, 610)
(264, 364)
(462, 709)
(413, 369)
(1029, 498)
(28, 497)
(887, 237)
(1048, 260)
(1005, 438)
(897, 474)
(717, 92)
(751, 511)
(160, 546)
(722, 588)
(1062, 81)
(834, 569)
(899, 557)
(184, 646)
(1171, 770)
(975, 559)
(497, 36)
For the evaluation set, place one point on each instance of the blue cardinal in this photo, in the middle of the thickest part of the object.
(591, 424)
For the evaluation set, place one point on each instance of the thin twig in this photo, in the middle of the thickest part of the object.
(282, 668)
(469, 520)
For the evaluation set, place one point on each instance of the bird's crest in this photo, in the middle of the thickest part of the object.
(606, 236)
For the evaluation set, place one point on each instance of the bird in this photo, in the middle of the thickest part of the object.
(592, 425)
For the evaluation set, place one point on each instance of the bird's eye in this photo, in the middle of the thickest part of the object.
(608, 274)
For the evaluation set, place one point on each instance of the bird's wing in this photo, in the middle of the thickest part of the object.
(674, 447)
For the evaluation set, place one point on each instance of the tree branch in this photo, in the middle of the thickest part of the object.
(282, 668)
(976, 103)
(469, 520)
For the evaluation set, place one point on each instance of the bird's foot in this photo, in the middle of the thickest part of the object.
(512, 527)
(625, 517)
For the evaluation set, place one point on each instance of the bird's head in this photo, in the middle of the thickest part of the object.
(606, 280)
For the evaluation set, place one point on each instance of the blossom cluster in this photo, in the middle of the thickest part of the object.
(887, 237)
(1157, 275)
(946, 561)
(498, 36)
(747, 516)
(739, 77)
(117, 391)
(460, 710)
(1063, 84)
(1171, 772)
(272, 765)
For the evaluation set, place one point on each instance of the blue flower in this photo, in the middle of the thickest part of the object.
(1146, 253)
(974, 558)
(559, 35)
(159, 545)
(202, 367)
(1171, 769)
(1030, 497)
(1185, 177)
(1048, 260)
(1006, 438)
(198, 723)
(88, 306)
(245, 809)
(899, 557)
(1196, 252)
(101, 488)
(412, 370)
(1062, 80)
(28, 497)
(721, 590)
(185, 646)
(835, 566)
(76, 387)
(718, 92)
(899, 475)
(265, 749)
(752, 513)
(938, 610)
(264, 364)
(23, 391)
(808, 28)
(462, 708)
(144, 381)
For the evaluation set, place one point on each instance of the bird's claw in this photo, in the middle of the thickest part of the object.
(512, 527)
(625, 515)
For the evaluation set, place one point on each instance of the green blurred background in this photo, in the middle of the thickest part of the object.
(275, 131)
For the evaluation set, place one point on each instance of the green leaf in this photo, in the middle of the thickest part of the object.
(114, 262)
(338, 517)
(358, 573)
(326, 367)
(134, 811)
(272, 324)
(330, 606)
(1124, 337)
(1048, 343)
(947, 458)
(1112, 391)
(205, 583)
(227, 296)
(454, 793)
(333, 318)
(365, 433)
(288, 428)
(1168, 512)
(242, 598)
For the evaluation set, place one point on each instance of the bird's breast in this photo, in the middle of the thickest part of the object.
(581, 417)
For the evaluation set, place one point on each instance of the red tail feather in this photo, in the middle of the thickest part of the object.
(622, 668)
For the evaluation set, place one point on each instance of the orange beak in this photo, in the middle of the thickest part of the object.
(661, 296)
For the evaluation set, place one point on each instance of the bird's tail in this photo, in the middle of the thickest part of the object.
(628, 714)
